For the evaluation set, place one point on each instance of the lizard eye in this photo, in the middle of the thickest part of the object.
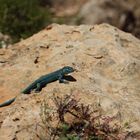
(68, 69)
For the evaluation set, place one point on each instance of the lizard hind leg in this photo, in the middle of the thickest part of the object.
(38, 88)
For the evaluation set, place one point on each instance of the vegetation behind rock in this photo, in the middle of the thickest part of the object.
(21, 19)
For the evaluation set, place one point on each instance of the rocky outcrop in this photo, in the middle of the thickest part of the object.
(65, 8)
(107, 62)
(122, 14)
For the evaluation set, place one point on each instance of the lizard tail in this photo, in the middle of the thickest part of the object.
(8, 102)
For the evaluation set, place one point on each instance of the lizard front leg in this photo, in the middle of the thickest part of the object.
(62, 80)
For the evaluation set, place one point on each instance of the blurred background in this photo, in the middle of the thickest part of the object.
(20, 19)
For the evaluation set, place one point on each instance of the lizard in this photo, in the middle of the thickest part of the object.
(43, 81)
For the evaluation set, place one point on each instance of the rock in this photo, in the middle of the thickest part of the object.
(65, 8)
(122, 14)
(107, 62)
(5, 40)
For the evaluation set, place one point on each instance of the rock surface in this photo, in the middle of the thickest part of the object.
(108, 71)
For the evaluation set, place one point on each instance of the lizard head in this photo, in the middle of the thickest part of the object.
(68, 69)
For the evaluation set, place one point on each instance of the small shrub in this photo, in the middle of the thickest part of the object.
(84, 122)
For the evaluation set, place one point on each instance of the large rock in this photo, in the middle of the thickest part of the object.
(65, 8)
(108, 71)
(124, 14)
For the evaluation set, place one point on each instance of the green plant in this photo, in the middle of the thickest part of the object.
(22, 18)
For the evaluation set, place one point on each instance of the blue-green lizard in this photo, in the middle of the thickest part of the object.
(43, 81)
